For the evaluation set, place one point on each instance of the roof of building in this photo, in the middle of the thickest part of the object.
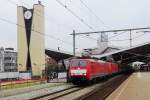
(136, 53)
(58, 54)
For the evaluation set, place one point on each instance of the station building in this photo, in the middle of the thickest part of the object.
(8, 60)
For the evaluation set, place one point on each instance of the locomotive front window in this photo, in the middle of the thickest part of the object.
(74, 63)
(82, 63)
(79, 63)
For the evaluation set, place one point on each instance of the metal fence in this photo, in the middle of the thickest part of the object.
(57, 77)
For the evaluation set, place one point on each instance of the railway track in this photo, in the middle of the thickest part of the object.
(103, 91)
(58, 94)
(98, 91)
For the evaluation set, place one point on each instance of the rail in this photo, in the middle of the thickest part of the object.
(102, 92)
(58, 94)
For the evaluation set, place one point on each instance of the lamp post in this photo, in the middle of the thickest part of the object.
(130, 39)
(0, 84)
(74, 41)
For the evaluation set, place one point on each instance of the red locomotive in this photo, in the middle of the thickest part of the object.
(83, 70)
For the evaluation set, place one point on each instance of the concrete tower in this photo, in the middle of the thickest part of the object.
(102, 42)
(30, 30)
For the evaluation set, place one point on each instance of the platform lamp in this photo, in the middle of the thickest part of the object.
(0, 84)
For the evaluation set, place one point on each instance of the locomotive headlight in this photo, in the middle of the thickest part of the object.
(84, 74)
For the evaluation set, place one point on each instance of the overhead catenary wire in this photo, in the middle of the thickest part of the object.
(54, 38)
(136, 37)
(103, 23)
(110, 31)
(123, 39)
(92, 12)
(91, 38)
(37, 13)
(48, 19)
(75, 15)
(118, 40)
(68, 42)
(116, 35)
(80, 19)
(48, 35)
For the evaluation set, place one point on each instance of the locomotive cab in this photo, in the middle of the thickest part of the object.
(78, 70)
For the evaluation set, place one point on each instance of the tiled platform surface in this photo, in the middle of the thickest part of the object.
(136, 87)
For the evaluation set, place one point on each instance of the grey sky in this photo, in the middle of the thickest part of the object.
(116, 14)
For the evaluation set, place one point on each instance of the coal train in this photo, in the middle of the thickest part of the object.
(86, 70)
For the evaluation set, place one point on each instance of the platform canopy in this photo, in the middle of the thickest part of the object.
(58, 54)
(128, 55)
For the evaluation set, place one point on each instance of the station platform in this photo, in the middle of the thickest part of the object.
(17, 91)
(136, 87)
